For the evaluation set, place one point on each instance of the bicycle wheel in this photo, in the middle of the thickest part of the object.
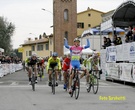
(90, 85)
(53, 83)
(77, 87)
(73, 89)
(95, 84)
(67, 81)
(40, 75)
(33, 82)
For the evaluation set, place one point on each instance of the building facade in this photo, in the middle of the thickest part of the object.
(65, 23)
(42, 46)
(88, 19)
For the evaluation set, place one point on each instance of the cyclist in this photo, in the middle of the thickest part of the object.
(94, 60)
(40, 63)
(92, 64)
(86, 66)
(31, 61)
(65, 68)
(53, 63)
(75, 52)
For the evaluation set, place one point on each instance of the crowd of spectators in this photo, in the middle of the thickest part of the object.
(129, 37)
(8, 59)
(116, 41)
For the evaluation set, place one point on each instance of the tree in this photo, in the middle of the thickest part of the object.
(6, 31)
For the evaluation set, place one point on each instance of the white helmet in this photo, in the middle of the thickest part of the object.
(34, 55)
(76, 39)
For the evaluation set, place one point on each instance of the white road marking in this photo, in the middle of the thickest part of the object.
(14, 83)
(60, 86)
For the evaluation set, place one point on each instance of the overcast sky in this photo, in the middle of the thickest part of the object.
(28, 17)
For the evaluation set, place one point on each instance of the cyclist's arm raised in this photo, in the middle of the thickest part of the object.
(66, 44)
(88, 44)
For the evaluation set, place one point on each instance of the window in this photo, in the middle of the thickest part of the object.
(66, 35)
(30, 53)
(80, 25)
(39, 47)
(26, 53)
(33, 48)
(50, 53)
(46, 46)
(50, 41)
(89, 25)
(66, 15)
(89, 14)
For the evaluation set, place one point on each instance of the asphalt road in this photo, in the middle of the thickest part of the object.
(16, 94)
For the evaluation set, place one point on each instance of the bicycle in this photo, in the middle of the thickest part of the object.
(33, 79)
(40, 72)
(76, 84)
(93, 81)
(53, 76)
(67, 79)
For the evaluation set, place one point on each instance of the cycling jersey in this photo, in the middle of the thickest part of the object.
(30, 61)
(91, 63)
(40, 62)
(76, 53)
(66, 64)
(52, 63)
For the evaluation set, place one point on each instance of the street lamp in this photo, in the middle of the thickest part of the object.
(47, 10)
(51, 26)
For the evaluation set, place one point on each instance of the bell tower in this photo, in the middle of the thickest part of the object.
(64, 23)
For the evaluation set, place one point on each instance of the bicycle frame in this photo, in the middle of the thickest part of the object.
(76, 84)
(67, 79)
(33, 79)
(94, 83)
(40, 72)
(53, 81)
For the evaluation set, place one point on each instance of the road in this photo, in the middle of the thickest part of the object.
(16, 94)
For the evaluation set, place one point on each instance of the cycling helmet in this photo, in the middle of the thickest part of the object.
(40, 58)
(34, 55)
(76, 39)
(95, 55)
(54, 54)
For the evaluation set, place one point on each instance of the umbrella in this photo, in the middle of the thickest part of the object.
(67, 52)
(90, 31)
(117, 30)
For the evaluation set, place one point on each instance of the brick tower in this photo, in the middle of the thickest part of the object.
(65, 23)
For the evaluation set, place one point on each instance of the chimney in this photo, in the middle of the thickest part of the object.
(36, 38)
(88, 8)
(29, 39)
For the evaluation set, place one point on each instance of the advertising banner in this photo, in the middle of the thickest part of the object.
(119, 53)
(125, 51)
(127, 71)
(103, 60)
(132, 52)
(111, 54)
(113, 70)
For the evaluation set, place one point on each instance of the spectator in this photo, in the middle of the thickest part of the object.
(127, 39)
(105, 42)
(119, 40)
(133, 34)
(108, 42)
(129, 34)
(115, 40)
